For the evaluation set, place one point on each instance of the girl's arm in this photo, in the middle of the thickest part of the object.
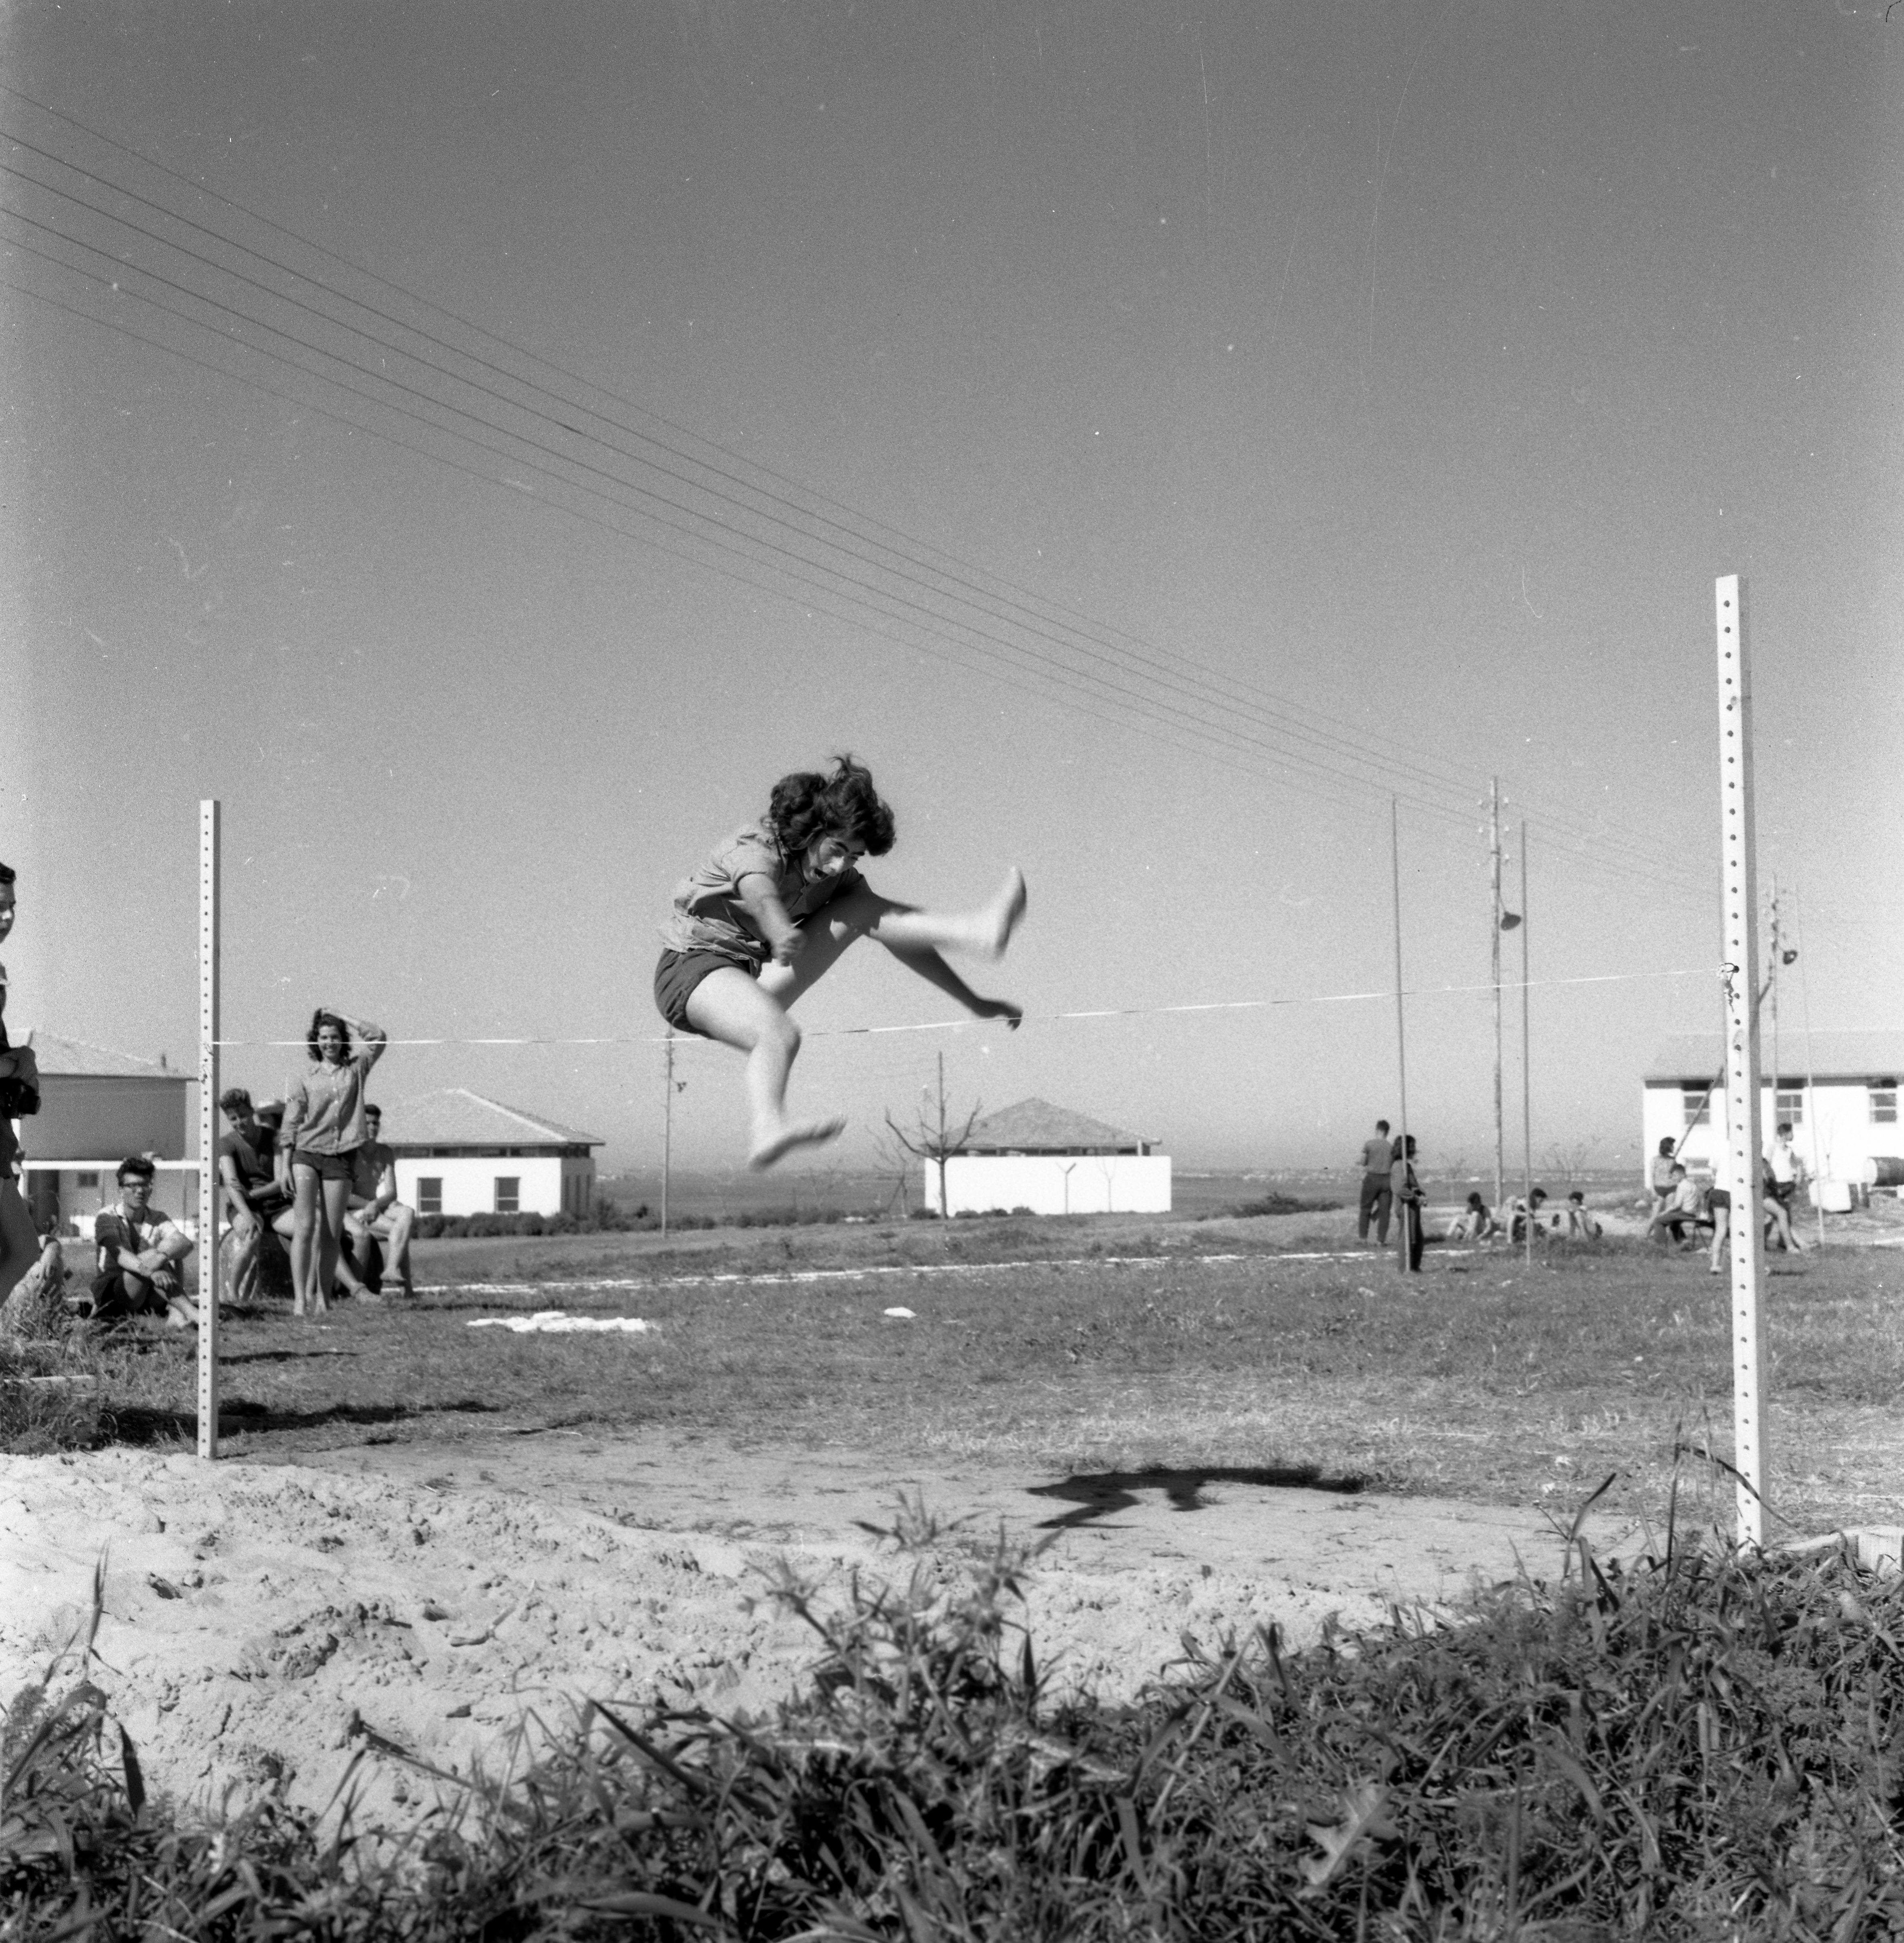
(762, 902)
(371, 1039)
(296, 1104)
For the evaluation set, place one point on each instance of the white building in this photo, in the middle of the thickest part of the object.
(1052, 1162)
(459, 1153)
(96, 1106)
(1839, 1089)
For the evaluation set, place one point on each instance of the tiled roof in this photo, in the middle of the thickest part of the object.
(74, 1058)
(1036, 1126)
(455, 1117)
(1825, 1055)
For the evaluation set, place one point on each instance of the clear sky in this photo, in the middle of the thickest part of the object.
(485, 445)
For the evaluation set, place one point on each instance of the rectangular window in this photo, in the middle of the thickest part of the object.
(1883, 1106)
(429, 1194)
(1788, 1103)
(1692, 1101)
(92, 1179)
(508, 1192)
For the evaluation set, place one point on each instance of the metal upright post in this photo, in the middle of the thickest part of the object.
(1740, 918)
(208, 1194)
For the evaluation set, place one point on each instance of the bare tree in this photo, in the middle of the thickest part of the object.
(894, 1164)
(1570, 1159)
(933, 1136)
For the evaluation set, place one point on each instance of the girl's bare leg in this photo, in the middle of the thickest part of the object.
(863, 912)
(307, 1291)
(1722, 1227)
(899, 927)
(334, 1198)
(729, 1006)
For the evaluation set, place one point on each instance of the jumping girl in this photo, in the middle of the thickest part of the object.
(771, 910)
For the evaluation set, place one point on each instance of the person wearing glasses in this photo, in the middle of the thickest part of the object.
(141, 1250)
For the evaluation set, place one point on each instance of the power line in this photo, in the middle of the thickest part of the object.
(1321, 760)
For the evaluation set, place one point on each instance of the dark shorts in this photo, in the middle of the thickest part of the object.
(1719, 1197)
(325, 1167)
(679, 972)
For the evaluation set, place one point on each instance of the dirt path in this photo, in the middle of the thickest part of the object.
(266, 1623)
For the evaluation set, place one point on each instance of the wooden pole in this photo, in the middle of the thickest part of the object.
(1739, 914)
(1526, 1051)
(1494, 949)
(209, 1197)
(1403, 1260)
(667, 1132)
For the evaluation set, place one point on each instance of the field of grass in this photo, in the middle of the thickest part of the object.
(1055, 1347)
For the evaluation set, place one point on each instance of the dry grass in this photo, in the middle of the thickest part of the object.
(1480, 1379)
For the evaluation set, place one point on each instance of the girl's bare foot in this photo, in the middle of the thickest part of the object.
(781, 1140)
(1000, 1008)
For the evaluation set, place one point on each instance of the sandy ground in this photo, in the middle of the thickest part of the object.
(266, 1623)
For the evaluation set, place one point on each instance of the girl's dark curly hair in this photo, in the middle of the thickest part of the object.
(321, 1017)
(806, 806)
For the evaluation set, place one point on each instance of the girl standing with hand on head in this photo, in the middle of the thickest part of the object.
(324, 1128)
(771, 909)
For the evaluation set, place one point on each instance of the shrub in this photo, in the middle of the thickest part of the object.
(923, 1214)
(1701, 1746)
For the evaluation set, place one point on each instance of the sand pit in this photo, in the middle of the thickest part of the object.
(265, 1624)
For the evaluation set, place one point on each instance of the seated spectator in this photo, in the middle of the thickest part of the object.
(140, 1250)
(1519, 1212)
(1476, 1222)
(252, 1198)
(376, 1216)
(1580, 1224)
(1686, 1208)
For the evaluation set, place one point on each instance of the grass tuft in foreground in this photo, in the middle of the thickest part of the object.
(1699, 1745)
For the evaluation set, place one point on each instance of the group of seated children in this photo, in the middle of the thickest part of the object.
(377, 1225)
(1478, 1222)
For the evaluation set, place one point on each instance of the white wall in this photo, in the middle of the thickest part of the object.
(1053, 1183)
(1838, 1117)
(101, 1116)
(469, 1181)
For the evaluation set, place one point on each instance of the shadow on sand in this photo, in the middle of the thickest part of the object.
(1097, 1494)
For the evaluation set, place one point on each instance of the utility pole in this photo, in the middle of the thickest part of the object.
(1771, 979)
(945, 1206)
(1526, 1051)
(667, 1133)
(1403, 1205)
(1493, 948)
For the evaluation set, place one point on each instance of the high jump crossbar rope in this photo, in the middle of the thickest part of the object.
(1100, 1012)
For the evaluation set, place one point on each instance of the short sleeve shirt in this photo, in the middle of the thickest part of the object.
(1377, 1155)
(708, 914)
(252, 1164)
(115, 1229)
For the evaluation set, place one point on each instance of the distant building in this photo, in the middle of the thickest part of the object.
(459, 1153)
(1839, 1089)
(1054, 1162)
(96, 1106)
